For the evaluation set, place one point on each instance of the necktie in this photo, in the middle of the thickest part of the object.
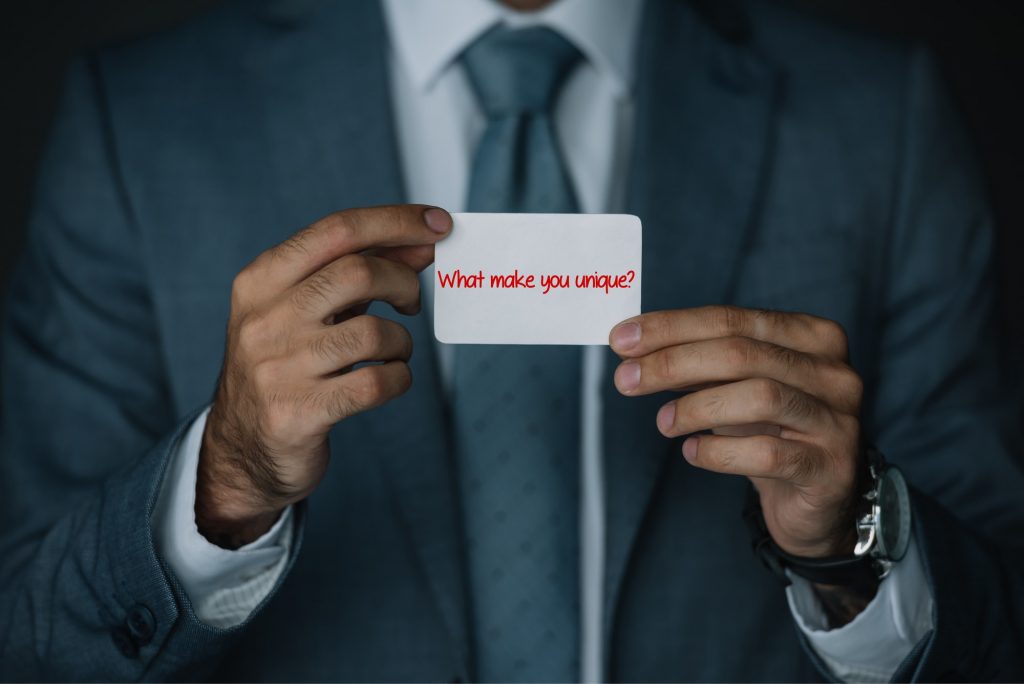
(516, 416)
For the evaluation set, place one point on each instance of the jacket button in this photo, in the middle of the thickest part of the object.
(141, 624)
(124, 642)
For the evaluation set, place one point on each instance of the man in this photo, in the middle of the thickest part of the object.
(416, 518)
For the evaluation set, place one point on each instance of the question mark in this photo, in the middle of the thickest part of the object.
(632, 274)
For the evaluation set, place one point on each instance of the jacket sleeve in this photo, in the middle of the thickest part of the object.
(942, 406)
(86, 430)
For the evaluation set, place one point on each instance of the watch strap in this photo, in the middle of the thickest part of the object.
(832, 570)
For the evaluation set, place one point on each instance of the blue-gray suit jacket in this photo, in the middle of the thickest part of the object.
(796, 166)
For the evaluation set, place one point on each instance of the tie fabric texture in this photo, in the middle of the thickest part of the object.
(516, 408)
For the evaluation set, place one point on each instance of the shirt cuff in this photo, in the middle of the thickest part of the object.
(224, 586)
(873, 644)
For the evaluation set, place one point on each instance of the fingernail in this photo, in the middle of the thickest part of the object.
(627, 376)
(666, 416)
(690, 447)
(437, 220)
(625, 336)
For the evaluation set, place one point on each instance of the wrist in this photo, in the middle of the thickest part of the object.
(828, 562)
(843, 538)
(842, 603)
(230, 511)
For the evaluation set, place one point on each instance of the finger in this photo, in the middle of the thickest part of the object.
(348, 232)
(758, 456)
(363, 389)
(352, 280)
(357, 340)
(648, 332)
(696, 364)
(417, 258)
(748, 430)
(757, 400)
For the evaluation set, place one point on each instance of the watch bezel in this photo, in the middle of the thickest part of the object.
(893, 497)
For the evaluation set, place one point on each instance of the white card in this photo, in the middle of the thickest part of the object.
(536, 278)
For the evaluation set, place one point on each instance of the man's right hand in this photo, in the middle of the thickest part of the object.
(298, 324)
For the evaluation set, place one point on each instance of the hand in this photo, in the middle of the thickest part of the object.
(780, 398)
(298, 324)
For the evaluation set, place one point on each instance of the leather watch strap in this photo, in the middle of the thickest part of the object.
(832, 570)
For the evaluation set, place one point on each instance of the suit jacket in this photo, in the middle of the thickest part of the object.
(777, 163)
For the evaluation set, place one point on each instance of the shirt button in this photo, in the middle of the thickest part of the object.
(141, 624)
(124, 642)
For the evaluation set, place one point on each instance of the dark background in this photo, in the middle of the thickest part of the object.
(980, 45)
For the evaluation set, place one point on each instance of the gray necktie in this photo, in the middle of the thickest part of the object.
(516, 408)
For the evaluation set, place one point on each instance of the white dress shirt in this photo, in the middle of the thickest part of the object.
(438, 123)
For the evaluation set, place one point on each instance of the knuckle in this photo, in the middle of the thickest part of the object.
(403, 379)
(373, 334)
(846, 386)
(833, 336)
(769, 394)
(381, 338)
(773, 454)
(254, 334)
(340, 228)
(241, 285)
(666, 363)
(380, 383)
(731, 320)
(314, 293)
(723, 455)
(265, 379)
(740, 352)
(405, 347)
(373, 386)
(848, 425)
(786, 357)
(658, 324)
(713, 410)
(852, 384)
(763, 321)
(343, 224)
(358, 271)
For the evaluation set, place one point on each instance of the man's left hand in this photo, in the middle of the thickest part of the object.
(780, 399)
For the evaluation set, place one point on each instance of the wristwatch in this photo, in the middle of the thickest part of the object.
(883, 532)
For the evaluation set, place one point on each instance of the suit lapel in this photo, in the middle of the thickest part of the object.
(333, 144)
(704, 119)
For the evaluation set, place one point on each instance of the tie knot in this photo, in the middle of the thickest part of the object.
(514, 71)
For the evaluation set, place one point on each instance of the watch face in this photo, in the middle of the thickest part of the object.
(894, 515)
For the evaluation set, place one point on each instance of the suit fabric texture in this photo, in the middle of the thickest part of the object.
(777, 163)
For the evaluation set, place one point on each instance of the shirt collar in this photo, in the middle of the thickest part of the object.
(428, 35)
